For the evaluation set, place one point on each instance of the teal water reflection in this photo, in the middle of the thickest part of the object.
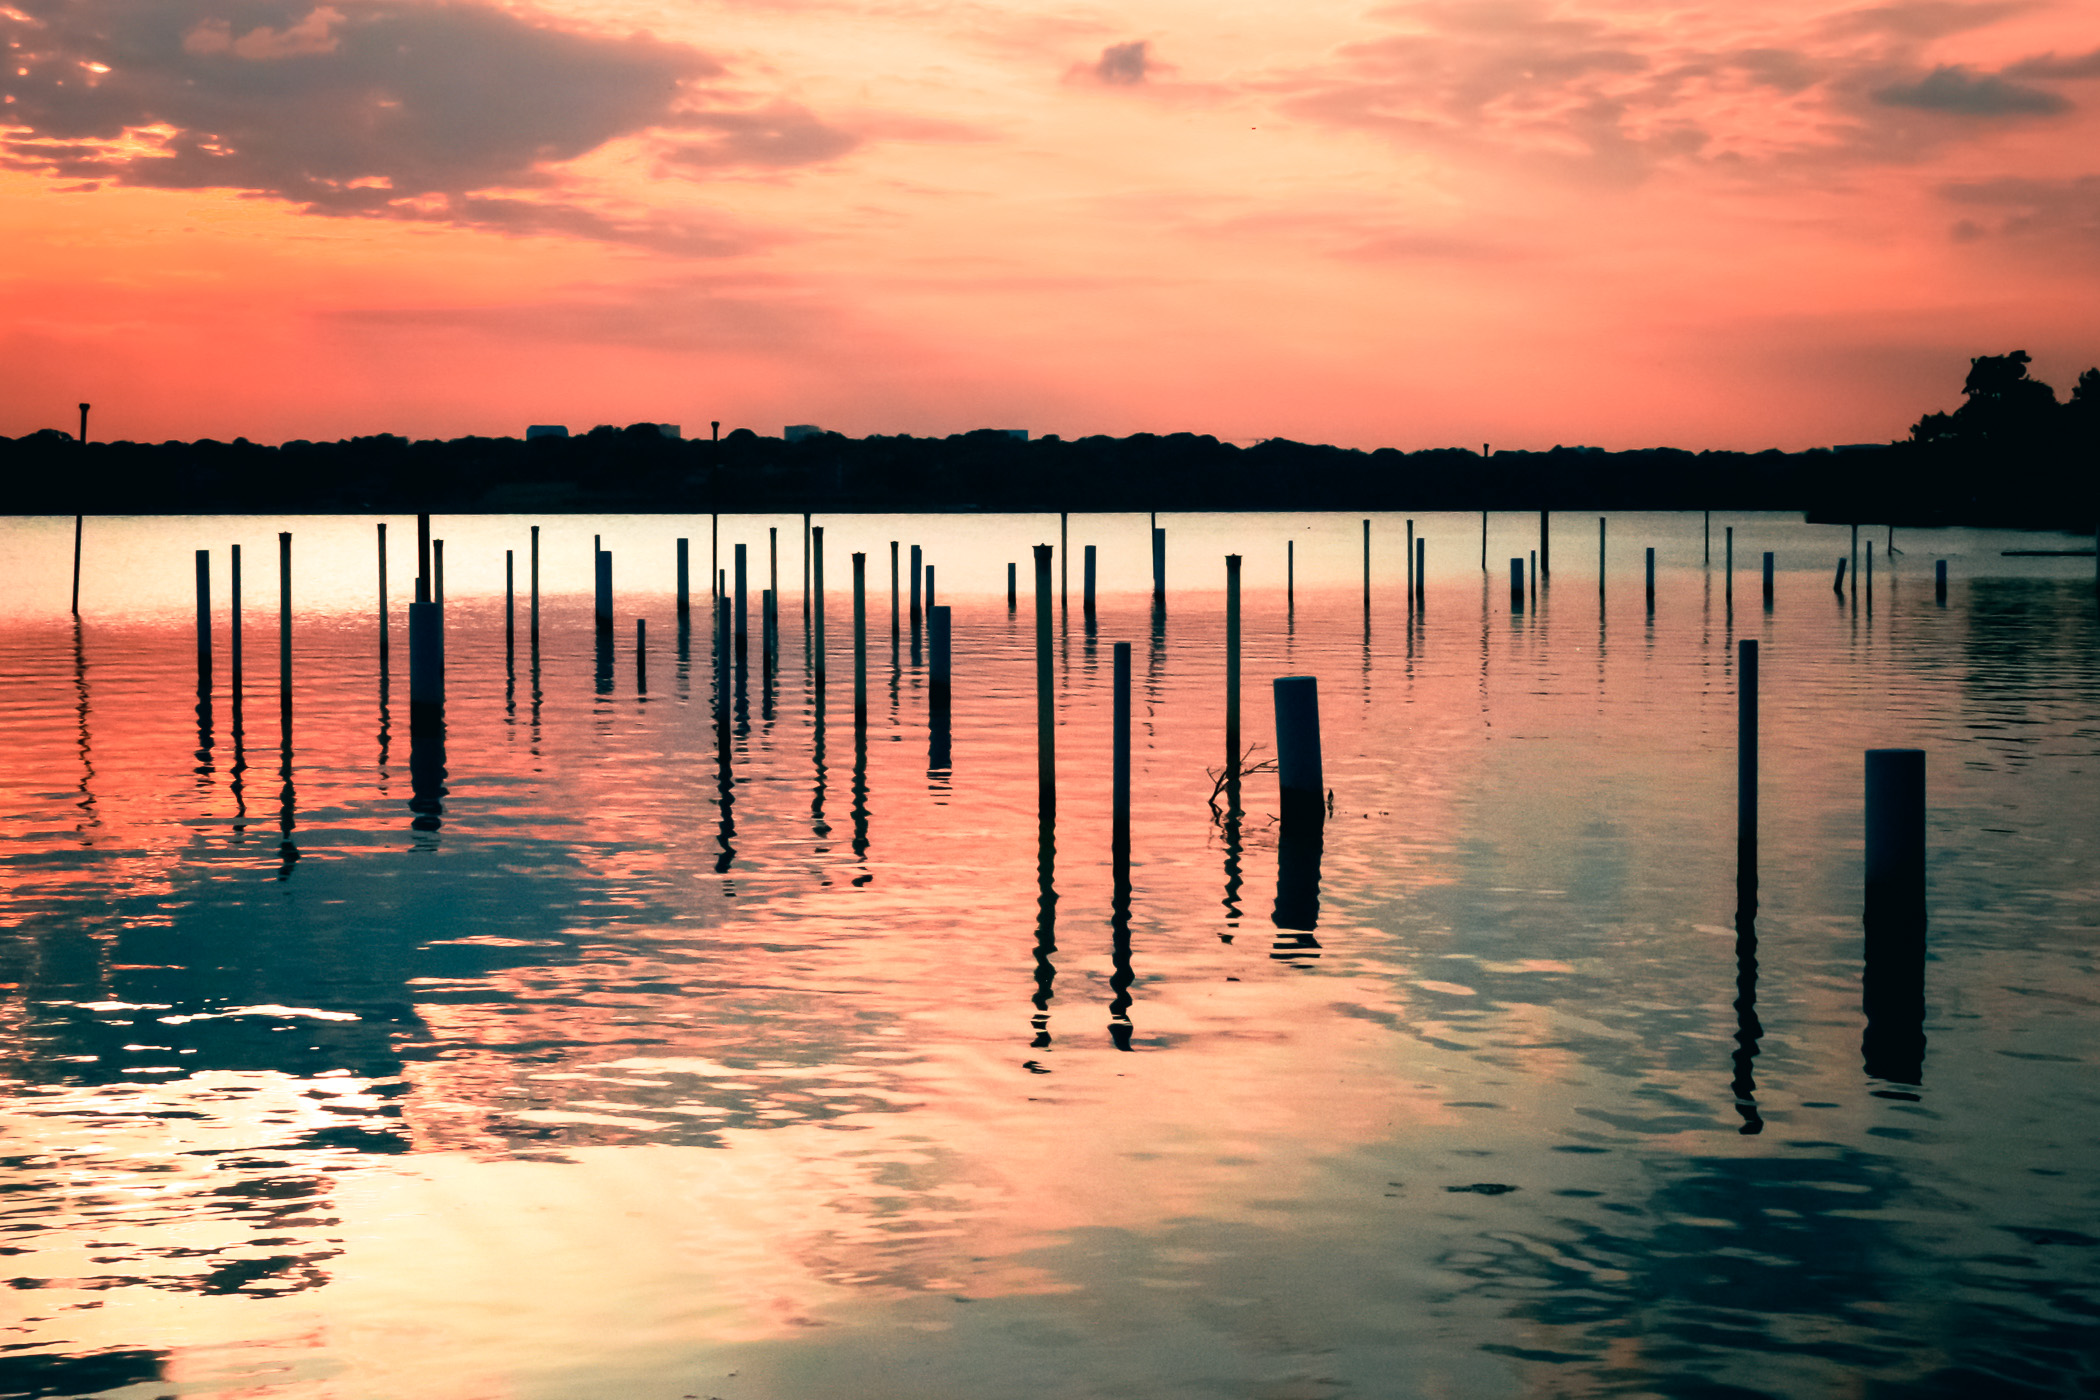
(627, 1031)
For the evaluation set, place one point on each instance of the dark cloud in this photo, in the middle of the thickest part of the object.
(1957, 91)
(2056, 210)
(445, 112)
(780, 135)
(2048, 65)
(1787, 70)
(1921, 20)
(1122, 63)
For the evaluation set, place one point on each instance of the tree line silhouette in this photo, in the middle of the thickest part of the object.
(2011, 454)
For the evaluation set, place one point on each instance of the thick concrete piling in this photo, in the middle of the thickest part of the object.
(426, 651)
(940, 656)
(1892, 982)
(1301, 780)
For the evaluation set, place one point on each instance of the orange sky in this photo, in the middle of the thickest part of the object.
(1604, 221)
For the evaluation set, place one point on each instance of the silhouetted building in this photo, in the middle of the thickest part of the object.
(795, 432)
(556, 430)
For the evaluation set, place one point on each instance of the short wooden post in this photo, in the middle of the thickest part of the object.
(1045, 699)
(1837, 584)
(1895, 851)
(1301, 781)
(1013, 594)
(940, 657)
(604, 580)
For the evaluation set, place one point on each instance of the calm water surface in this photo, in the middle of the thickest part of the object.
(586, 1056)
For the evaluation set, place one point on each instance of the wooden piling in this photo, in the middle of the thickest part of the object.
(1119, 828)
(685, 606)
(1516, 585)
(1410, 562)
(1232, 665)
(1290, 575)
(1064, 561)
(929, 585)
(816, 596)
(1421, 574)
(1087, 583)
(1837, 584)
(383, 608)
(1600, 560)
(203, 620)
(535, 570)
(1728, 565)
(1159, 567)
(233, 616)
(1746, 778)
(1045, 700)
(743, 634)
(641, 656)
(1768, 578)
(1367, 566)
(860, 640)
(769, 630)
(1013, 593)
(77, 525)
(1651, 578)
(1545, 570)
(437, 572)
(284, 622)
(1939, 581)
(423, 554)
(510, 601)
(604, 581)
(918, 565)
(895, 630)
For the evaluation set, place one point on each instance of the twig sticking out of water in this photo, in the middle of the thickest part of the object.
(1247, 767)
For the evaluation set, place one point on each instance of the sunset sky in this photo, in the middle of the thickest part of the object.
(1605, 221)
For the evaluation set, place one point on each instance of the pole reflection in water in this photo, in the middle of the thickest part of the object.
(1119, 855)
(1298, 850)
(860, 804)
(1045, 937)
(88, 820)
(1748, 1029)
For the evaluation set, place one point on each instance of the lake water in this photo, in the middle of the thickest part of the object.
(597, 1064)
